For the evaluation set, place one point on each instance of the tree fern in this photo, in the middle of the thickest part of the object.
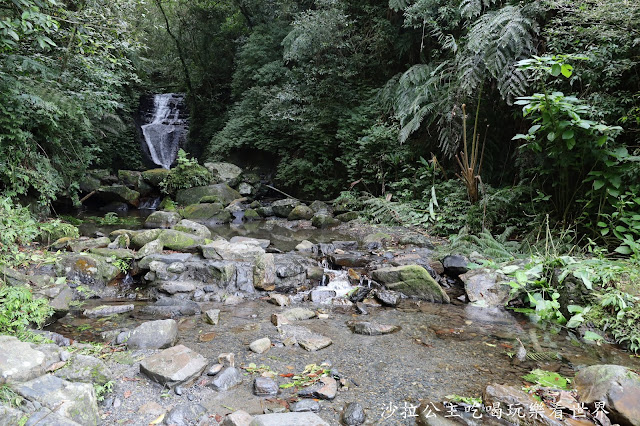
(473, 8)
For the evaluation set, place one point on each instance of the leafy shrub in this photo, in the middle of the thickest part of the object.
(18, 310)
(16, 227)
(52, 230)
(187, 174)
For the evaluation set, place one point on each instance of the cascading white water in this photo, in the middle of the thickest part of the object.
(166, 129)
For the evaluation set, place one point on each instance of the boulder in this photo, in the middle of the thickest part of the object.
(194, 228)
(618, 387)
(221, 192)
(140, 238)
(180, 241)
(155, 176)
(305, 246)
(261, 345)
(288, 419)
(321, 207)
(85, 369)
(82, 244)
(282, 208)
(264, 386)
(511, 396)
(486, 286)
(376, 240)
(161, 219)
(371, 328)
(18, 361)
(154, 335)
(300, 212)
(212, 316)
(75, 401)
(89, 269)
(411, 280)
(323, 221)
(152, 247)
(174, 366)
(185, 415)
(250, 215)
(119, 193)
(205, 212)
(246, 189)
(348, 216)
(226, 172)
(264, 243)
(122, 254)
(304, 337)
(238, 418)
(107, 310)
(228, 378)
(264, 272)
(455, 265)
(225, 250)
(88, 183)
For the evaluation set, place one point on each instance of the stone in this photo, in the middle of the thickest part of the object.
(345, 245)
(325, 388)
(107, 310)
(264, 243)
(417, 240)
(370, 328)
(171, 307)
(376, 240)
(264, 272)
(82, 244)
(43, 417)
(214, 369)
(305, 246)
(61, 303)
(140, 238)
(18, 361)
(296, 314)
(212, 316)
(279, 299)
(225, 250)
(250, 215)
(88, 183)
(119, 193)
(227, 359)
(155, 176)
(455, 265)
(387, 297)
(264, 386)
(176, 268)
(226, 379)
(265, 211)
(348, 216)
(191, 227)
(121, 242)
(151, 408)
(411, 280)
(487, 286)
(315, 273)
(185, 415)
(167, 259)
(203, 211)
(279, 319)
(319, 295)
(300, 212)
(320, 206)
(180, 241)
(246, 189)
(324, 221)
(158, 334)
(177, 365)
(238, 418)
(261, 345)
(226, 172)
(173, 287)
(288, 419)
(305, 405)
(353, 414)
(304, 337)
(617, 386)
(162, 219)
(282, 208)
(88, 269)
(221, 193)
(75, 401)
(118, 253)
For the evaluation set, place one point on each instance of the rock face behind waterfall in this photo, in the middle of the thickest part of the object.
(163, 125)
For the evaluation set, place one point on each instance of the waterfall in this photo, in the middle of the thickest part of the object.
(166, 130)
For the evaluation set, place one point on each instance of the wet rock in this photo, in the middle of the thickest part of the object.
(387, 297)
(325, 388)
(264, 386)
(154, 335)
(350, 260)
(192, 227)
(75, 401)
(282, 419)
(140, 238)
(173, 287)
(617, 386)
(152, 247)
(361, 309)
(413, 281)
(18, 361)
(226, 172)
(305, 405)
(417, 240)
(225, 250)
(10, 416)
(212, 316)
(370, 328)
(324, 221)
(320, 206)
(155, 176)
(264, 272)
(203, 211)
(282, 208)
(486, 286)
(246, 189)
(167, 259)
(238, 418)
(305, 246)
(119, 193)
(262, 242)
(375, 241)
(304, 337)
(161, 219)
(353, 414)
(185, 414)
(315, 273)
(300, 212)
(322, 296)
(360, 294)
(88, 269)
(176, 268)
(106, 310)
(180, 241)
(174, 366)
(455, 265)
(221, 193)
(348, 216)
(296, 314)
(279, 299)
(345, 245)
(227, 379)
(82, 244)
(507, 396)
(120, 253)
(261, 345)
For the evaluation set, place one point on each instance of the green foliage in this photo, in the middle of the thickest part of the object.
(470, 400)
(17, 227)
(548, 379)
(54, 229)
(9, 397)
(103, 390)
(19, 310)
(186, 174)
(123, 264)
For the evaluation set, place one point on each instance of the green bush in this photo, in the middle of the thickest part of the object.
(187, 174)
(18, 310)
(17, 226)
(52, 230)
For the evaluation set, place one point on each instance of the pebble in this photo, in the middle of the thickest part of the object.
(305, 405)
(325, 388)
(212, 316)
(263, 386)
(227, 359)
(353, 414)
(215, 369)
(261, 345)
(178, 390)
(65, 355)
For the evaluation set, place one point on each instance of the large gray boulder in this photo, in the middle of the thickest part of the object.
(85, 369)
(174, 366)
(486, 286)
(194, 228)
(412, 280)
(154, 335)
(288, 419)
(162, 219)
(221, 193)
(282, 208)
(224, 250)
(226, 172)
(18, 361)
(89, 269)
(180, 241)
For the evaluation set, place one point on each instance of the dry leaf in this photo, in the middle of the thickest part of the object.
(158, 420)
(127, 394)
(56, 366)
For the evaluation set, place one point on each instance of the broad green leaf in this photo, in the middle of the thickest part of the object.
(555, 70)
(568, 134)
(566, 70)
(623, 250)
(591, 336)
(597, 184)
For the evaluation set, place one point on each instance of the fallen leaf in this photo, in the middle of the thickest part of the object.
(127, 394)
(158, 420)
(207, 337)
(56, 366)
(287, 375)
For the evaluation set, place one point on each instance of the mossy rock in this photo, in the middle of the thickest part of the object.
(155, 176)
(300, 212)
(140, 238)
(89, 183)
(348, 216)
(82, 244)
(251, 214)
(180, 241)
(204, 211)
(194, 228)
(119, 193)
(411, 280)
(130, 177)
(323, 221)
(117, 253)
(225, 171)
(282, 208)
(224, 192)
(162, 219)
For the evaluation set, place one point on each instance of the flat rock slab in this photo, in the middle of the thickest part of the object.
(325, 388)
(264, 386)
(304, 337)
(154, 335)
(227, 379)
(107, 310)
(297, 314)
(18, 362)
(174, 366)
(75, 401)
(370, 328)
(288, 419)
(238, 418)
